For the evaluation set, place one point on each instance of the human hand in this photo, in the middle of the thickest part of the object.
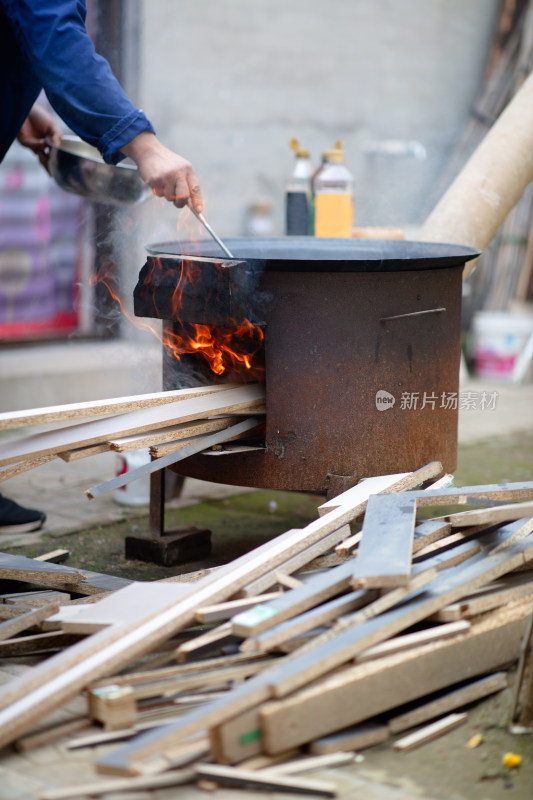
(168, 174)
(38, 126)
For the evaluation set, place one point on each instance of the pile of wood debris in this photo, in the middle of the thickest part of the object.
(363, 625)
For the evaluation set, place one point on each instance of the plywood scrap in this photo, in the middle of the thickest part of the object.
(430, 732)
(458, 698)
(267, 780)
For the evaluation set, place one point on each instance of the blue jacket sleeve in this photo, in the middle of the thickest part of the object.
(79, 83)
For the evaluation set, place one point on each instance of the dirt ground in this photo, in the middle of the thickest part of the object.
(445, 769)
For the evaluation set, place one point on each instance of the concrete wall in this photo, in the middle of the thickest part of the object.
(227, 83)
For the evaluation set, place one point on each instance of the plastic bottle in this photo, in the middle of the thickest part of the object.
(333, 196)
(297, 193)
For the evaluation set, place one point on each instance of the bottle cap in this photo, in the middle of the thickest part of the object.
(298, 151)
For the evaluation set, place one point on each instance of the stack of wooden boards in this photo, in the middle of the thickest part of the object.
(326, 638)
(173, 424)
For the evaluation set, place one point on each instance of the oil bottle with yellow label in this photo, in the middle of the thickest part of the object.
(333, 196)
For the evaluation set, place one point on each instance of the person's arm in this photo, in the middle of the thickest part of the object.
(39, 126)
(84, 92)
(168, 174)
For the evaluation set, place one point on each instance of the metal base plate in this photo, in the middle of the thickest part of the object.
(178, 546)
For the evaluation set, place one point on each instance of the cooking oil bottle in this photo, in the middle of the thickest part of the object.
(298, 193)
(333, 195)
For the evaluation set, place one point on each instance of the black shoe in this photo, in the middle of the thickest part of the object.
(16, 519)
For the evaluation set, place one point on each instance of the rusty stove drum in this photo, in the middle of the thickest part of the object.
(361, 351)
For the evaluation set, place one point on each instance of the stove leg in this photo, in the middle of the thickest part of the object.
(337, 484)
(167, 548)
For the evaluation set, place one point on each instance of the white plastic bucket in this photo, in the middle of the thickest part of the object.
(498, 337)
(135, 493)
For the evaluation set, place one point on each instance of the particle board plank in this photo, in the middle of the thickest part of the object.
(358, 737)
(20, 568)
(12, 611)
(378, 484)
(224, 611)
(36, 643)
(101, 787)
(430, 732)
(411, 481)
(32, 696)
(510, 492)
(312, 763)
(23, 466)
(307, 621)
(519, 587)
(205, 641)
(83, 452)
(83, 434)
(457, 698)
(267, 780)
(329, 653)
(195, 446)
(362, 692)
(428, 532)
(490, 516)
(384, 552)
(297, 562)
(409, 640)
(100, 408)
(22, 622)
(172, 433)
(299, 669)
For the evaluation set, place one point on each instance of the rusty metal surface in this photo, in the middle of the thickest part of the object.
(334, 344)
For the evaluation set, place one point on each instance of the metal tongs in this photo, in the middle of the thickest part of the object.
(210, 231)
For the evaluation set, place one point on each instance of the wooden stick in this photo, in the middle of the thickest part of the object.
(409, 640)
(172, 434)
(490, 516)
(226, 610)
(23, 466)
(25, 621)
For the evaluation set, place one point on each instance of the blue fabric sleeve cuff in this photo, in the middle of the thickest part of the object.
(122, 133)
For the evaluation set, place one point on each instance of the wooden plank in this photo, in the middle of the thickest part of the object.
(312, 763)
(517, 588)
(208, 640)
(364, 691)
(20, 568)
(384, 552)
(266, 780)
(22, 622)
(373, 485)
(297, 562)
(490, 516)
(94, 432)
(199, 444)
(23, 466)
(297, 670)
(296, 626)
(54, 556)
(172, 433)
(331, 651)
(409, 640)
(428, 532)
(83, 452)
(100, 408)
(458, 698)
(358, 737)
(411, 481)
(227, 610)
(97, 788)
(37, 643)
(430, 732)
